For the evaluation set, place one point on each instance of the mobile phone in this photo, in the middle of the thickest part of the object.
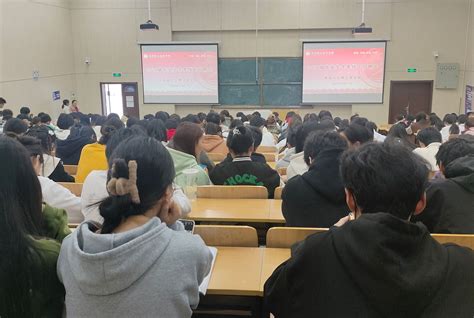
(188, 225)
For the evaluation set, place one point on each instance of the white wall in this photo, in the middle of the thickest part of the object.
(107, 32)
(35, 35)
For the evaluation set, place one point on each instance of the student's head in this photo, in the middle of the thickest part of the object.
(213, 117)
(454, 149)
(119, 136)
(398, 131)
(7, 114)
(257, 121)
(65, 121)
(410, 118)
(240, 141)
(325, 114)
(162, 115)
(175, 117)
(45, 119)
(132, 121)
(25, 110)
(2, 102)
(429, 135)
(256, 135)
(74, 103)
(462, 119)
(277, 115)
(41, 133)
(65, 102)
(436, 122)
(156, 129)
(234, 123)
(421, 117)
(201, 116)
(400, 117)
(384, 177)
(291, 136)
(113, 115)
(310, 117)
(16, 126)
(449, 119)
(188, 138)
(98, 120)
(454, 130)
(147, 168)
(171, 124)
(191, 119)
(148, 117)
(35, 150)
(213, 129)
(320, 142)
(303, 132)
(357, 135)
(469, 123)
(360, 121)
(25, 118)
(20, 219)
(108, 129)
(289, 115)
(470, 115)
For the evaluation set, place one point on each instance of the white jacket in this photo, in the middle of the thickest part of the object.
(58, 196)
(429, 154)
(94, 191)
(297, 165)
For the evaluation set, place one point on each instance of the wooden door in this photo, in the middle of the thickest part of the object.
(409, 97)
(130, 100)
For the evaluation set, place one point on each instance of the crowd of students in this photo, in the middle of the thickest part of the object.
(132, 257)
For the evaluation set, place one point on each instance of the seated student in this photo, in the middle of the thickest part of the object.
(257, 139)
(64, 124)
(297, 164)
(53, 193)
(15, 126)
(290, 144)
(317, 198)
(379, 265)
(454, 131)
(212, 141)
(357, 134)
(469, 127)
(450, 204)
(267, 137)
(449, 120)
(93, 155)
(430, 141)
(242, 170)
(69, 150)
(400, 133)
(184, 149)
(141, 262)
(97, 121)
(52, 166)
(94, 189)
(171, 126)
(30, 286)
(156, 129)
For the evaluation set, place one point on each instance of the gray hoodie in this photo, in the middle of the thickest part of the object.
(150, 271)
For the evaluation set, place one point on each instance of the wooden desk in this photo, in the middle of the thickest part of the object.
(276, 215)
(230, 210)
(272, 258)
(237, 272)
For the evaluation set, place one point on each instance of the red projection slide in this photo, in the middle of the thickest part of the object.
(180, 73)
(344, 72)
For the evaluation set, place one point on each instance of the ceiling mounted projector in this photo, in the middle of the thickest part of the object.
(149, 25)
(361, 29)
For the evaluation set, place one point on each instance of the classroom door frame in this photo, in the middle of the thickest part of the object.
(134, 94)
(391, 110)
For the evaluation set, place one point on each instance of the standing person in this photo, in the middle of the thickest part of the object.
(65, 107)
(317, 198)
(242, 170)
(380, 264)
(141, 262)
(74, 108)
(29, 283)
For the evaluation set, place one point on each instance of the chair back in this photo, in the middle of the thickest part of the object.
(227, 235)
(268, 149)
(232, 192)
(285, 237)
(278, 192)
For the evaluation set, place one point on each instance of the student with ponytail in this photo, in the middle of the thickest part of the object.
(242, 170)
(141, 262)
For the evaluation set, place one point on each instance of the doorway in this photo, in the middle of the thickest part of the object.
(120, 98)
(409, 98)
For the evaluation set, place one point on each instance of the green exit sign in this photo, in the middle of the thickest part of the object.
(411, 70)
(117, 74)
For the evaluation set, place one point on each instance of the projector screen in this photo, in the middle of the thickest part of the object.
(180, 73)
(343, 72)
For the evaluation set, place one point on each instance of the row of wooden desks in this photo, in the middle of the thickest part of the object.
(237, 210)
(243, 271)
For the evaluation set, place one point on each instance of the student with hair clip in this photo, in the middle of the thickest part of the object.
(93, 155)
(242, 170)
(52, 167)
(317, 198)
(53, 193)
(30, 240)
(141, 262)
(185, 149)
(257, 139)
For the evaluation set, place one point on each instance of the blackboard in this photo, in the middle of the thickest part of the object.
(279, 81)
